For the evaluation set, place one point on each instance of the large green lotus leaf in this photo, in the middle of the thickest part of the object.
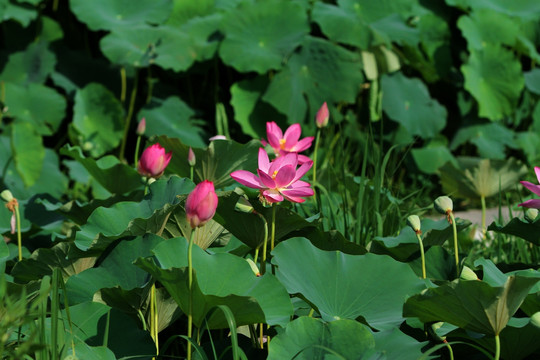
(107, 171)
(519, 8)
(174, 118)
(396, 345)
(476, 177)
(249, 110)
(494, 77)
(346, 286)
(84, 351)
(133, 218)
(532, 80)
(407, 101)
(221, 279)
(333, 19)
(24, 14)
(114, 14)
(98, 119)
(472, 305)
(491, 139)
(405, 247)
(32, 65)
(494, 277)
(431, 157)
(524, 229)
(125, 337)
(28, 152)
(215, 163)
(313, 339)
(321, 71)
(116, 269)
(36, 104)
(183, 11)
(487, 26)
(259, 38)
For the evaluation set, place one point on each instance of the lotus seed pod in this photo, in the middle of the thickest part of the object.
(535, 319)
(531, 214)
(468, 274)
(6, 195)
(443, 204)
(414, 222)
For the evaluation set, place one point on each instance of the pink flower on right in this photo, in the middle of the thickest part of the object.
(289, 142)
(533, 203)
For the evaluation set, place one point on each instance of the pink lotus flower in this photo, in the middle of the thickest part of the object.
(533, 203)
(288, 142)
(201, 204)
(279, 179)
(153, 161)
(322, 116)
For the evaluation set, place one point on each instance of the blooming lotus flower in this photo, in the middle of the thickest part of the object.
(201, 204)
(321, 119)
(279, 179)
(288, 142)
(533, 203)
(153, 161)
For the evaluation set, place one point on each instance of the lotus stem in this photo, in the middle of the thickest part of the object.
(19, 237)
(483, 202)
(317, 138)
(497, 348)
(137, 147)
(273, 227)
(456, 250)
(190, 284)
(419, 237)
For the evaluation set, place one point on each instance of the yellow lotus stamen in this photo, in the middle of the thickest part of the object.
(282, 144)
(274, 175)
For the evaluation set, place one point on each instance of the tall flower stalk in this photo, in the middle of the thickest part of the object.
(201, 205)
(321, 120)
(444, 205)
(414, 222)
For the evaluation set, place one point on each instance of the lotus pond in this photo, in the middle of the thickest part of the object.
(277, 179)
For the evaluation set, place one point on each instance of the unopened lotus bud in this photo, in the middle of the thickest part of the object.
(321, 119)
(6, 195)
(468, 274)
(243, 205)
(254, 267)
(414, 222)
(535, 319)
(443, 204)
(141, 128)
(531, 214)
(191, 157)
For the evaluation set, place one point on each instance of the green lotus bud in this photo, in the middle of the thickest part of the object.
(443, 204)
(254, 267)
(468, 274)
(531, 214)
(535, 319)
(6, 195)
(414, 222)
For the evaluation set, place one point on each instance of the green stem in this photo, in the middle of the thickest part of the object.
(497, 348)
(483, 202)
(150, 85)
(154, 317)
(265, 245)
(273, 226)
(456, 249)
(123, 82)
(422, 255)
(190, 283)
(137, 147)
(19, 238)
(317, 138)
(191, 173)
(128, 117)
(450, 352)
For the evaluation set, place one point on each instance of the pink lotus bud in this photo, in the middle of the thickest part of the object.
(153, 161)
(218, 137)
(191, 157)
(322, 116)
(201, 204)
(141, 128)
(13, 223)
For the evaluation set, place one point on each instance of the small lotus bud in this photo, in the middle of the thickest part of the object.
(218, 137)
(191, 157)
(531, 214)
(443, 204)
(243, 205)
(153, 161)
(254, 267)
(414, 222)
(468, 274)
(6, 195)
(141, 128)
(535, 319)
(201, 204)
(322, 116)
